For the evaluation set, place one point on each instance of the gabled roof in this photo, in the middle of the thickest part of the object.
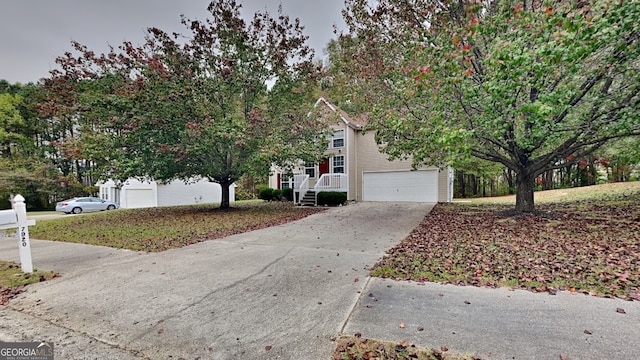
(352, 122)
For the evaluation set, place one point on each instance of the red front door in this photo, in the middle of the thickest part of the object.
(323, 167)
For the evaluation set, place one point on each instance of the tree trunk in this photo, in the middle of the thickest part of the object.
(483, 181)
(547, 180)
(462, 184)
(473, 185)
(568, 178)
(508, 173)
(224, 204)
(524, 193)
(593, 171)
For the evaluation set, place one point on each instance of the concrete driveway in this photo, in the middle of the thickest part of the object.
(284, 292)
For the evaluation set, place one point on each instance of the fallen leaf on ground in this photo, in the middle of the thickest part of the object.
(7, 293)
(578, 247)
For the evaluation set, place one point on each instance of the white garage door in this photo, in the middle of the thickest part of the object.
(139, 198)
(413, 186)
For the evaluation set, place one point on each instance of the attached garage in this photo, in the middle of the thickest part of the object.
(409, 186)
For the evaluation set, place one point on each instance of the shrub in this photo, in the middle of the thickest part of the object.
(244, 194)
(269, 194)
(287, 194)
(266, 194)
(331, 198)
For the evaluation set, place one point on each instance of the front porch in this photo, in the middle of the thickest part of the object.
(305, 194)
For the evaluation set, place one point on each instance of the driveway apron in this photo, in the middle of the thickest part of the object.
(282, 292)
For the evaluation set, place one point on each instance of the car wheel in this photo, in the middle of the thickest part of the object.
(76, 210)
(111, 207)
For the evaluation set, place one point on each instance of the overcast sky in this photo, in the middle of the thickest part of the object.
(34, 32)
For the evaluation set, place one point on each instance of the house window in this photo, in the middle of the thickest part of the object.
(286, 182)
(310, 169)
(338, 138)
(338, 164)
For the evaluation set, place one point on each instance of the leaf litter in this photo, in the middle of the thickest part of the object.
(580, 247)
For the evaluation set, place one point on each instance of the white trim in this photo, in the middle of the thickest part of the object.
(334, 138)
(347, 162)
(333, 108)
(332, 164)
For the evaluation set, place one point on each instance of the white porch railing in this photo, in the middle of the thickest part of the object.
(327, 182)
(300, 187)
(332, 182)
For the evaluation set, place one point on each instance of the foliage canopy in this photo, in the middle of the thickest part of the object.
(196, 105)
(532, 85)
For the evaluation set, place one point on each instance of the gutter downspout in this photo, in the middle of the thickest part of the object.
(348, 143)
(355, 140)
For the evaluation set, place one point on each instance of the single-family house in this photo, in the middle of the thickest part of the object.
(135, 193)
(355, 165)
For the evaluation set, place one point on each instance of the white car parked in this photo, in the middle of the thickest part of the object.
(85, 204)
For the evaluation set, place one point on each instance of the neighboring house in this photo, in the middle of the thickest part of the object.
(134, 193)
(355, 165)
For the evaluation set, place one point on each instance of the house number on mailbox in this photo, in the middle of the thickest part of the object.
(23, 236)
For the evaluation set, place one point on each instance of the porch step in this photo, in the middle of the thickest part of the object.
(309, 198)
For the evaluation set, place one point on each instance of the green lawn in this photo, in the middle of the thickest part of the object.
(13, 280)
(159, 229)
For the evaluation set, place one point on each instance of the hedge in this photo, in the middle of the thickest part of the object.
(266, 194)
(287, 194)
(331, 198)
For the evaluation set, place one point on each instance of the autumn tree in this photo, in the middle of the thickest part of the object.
(230, 98)
(532, 85)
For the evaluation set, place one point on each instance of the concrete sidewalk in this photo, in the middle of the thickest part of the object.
(499, 323)
(287, 292)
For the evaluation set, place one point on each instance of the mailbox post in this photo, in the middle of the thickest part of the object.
(17, 218)
(23, 233)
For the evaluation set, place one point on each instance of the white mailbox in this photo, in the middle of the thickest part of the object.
(8, 217)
